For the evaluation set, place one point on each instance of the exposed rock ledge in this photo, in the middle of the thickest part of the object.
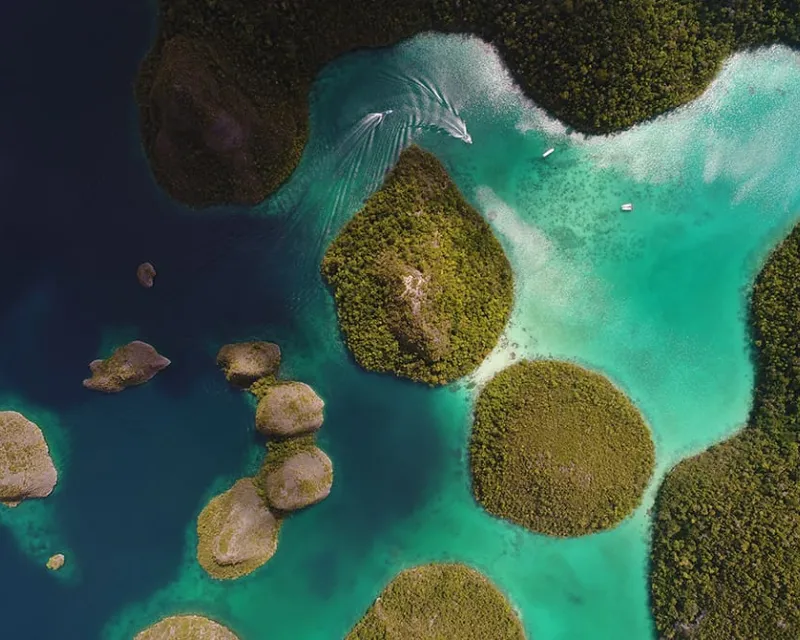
(289, 409)
(301, 480)
(186, 628)
(26, 469)
(245, 362)
(129, 365)
(236, 532)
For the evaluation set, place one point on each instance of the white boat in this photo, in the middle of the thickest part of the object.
(547, 153)
(627, 207)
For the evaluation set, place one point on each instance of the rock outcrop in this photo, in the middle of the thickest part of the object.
(289, 409)
(145, 273)
(26, 469)
(301, 480)
(236, 532)
(56, 562)
(186, 628)
(245, 362)
(129, 365)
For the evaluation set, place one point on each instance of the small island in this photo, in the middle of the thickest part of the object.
(439, 602)
(236, 532)
(26, 468)
(725, 561)
(295, 474)
(56, 562)
(422, 287)
(186, 628)
(243, 363)
(132, 364)
(288, 409)
(558, 449)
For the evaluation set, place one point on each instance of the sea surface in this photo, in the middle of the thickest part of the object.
(654, 298)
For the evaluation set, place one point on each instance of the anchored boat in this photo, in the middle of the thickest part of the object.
(627, 207)
(547, 153)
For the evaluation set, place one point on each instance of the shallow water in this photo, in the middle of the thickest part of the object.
(655, 299)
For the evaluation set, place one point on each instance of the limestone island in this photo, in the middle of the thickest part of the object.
(246, 362)
(55, 562)
(186, 628)
(211, 133)
(725, 562)
(295, 474)
(422, 287)
(145, 273)
(26, 468)
(236, 532)
(132, 364)
(558, 449)
(289, 409)
(439, 602)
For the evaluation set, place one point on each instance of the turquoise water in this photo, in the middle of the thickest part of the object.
(654, 298)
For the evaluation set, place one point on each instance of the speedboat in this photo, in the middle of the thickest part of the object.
(548, 152)
(627, 207)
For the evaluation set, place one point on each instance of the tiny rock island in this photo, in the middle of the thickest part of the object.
(26, 468)
(246, 362)
(236, 532)
(423, 289)
(186, 628)
(295, 474)
(439, 602)
(558, 449)
(289, 409)
(132, 364)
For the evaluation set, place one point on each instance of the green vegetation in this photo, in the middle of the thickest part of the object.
(423, 289)
(726, 541)
(439, 602)
(558, 449)
(597, 65)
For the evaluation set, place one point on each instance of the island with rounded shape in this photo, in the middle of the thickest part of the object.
(439, 602)
(145, 273)
(186, 627)
(236, 532)
(56, 561)
(132, 364)
(558, 449)
(287, 409)
(243, 363)
(423, 289)
(26, 468)
(295, 474)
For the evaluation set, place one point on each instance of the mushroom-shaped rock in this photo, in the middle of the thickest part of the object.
(289, 409)
(26, 469)
(145, 273)
(186, 628)
(56, 562)
(129, 365)
(300, 481)
(236, 532)
(245, 362)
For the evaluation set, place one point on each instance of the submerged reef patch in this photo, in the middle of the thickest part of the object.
(725, 562)
(558, 449)
(439, 602)
(422, 287)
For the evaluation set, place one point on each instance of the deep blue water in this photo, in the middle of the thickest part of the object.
(79, 211)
